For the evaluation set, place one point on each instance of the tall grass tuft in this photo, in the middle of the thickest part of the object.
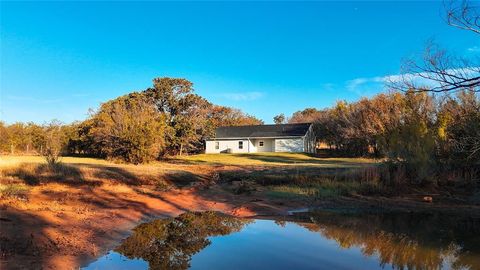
(34, 174)
(15, 191)
(369, 180)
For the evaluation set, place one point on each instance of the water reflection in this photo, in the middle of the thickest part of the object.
(314, 240)
(404, 240)
(170, 243)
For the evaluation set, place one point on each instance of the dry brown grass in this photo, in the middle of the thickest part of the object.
(33, 170)
(14, 191)
(291, 172)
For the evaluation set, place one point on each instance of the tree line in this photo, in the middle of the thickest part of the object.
(429, 124)
(424, 132)
(165, 119)
(423, 126)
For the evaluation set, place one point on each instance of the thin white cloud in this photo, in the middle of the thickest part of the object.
(474, 49)
(422, 78)
(366, 86)
(243, 96)
(355, 83)
(328, 86)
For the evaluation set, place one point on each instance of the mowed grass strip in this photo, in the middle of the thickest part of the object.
(275, 159)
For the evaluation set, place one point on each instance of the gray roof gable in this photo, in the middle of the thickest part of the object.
(263, 131)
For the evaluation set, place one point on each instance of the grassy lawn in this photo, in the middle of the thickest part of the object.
(276, 159)
(261, 159)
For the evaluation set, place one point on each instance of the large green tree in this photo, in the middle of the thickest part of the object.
(183, 111)
(129, 128)
(189, 117)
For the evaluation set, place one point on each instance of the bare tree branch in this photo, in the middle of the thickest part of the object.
(470, 145)
(437, 71)
(463, 15)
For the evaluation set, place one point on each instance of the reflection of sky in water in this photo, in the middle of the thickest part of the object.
(263, 245)
(266, 245)
(330, 240)
(113, 261)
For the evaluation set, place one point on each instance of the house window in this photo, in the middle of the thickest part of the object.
(260, 143)
(217, 145)
(240, 145)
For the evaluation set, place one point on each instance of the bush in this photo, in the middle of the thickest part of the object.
(128, 128)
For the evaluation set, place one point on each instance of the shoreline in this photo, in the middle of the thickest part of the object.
(70, 217)
(108, 225)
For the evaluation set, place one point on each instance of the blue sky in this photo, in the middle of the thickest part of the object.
(58, 59)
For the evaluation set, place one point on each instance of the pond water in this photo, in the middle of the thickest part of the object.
(312, 240)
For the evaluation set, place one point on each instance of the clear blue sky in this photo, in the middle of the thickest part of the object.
(59, 59)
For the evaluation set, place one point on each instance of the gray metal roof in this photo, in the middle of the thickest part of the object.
(263, 131)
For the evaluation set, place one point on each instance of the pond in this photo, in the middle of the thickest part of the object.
(311, 240)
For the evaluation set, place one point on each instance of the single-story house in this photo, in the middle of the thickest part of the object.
(263, 138)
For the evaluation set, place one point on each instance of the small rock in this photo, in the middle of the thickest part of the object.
(428, 199)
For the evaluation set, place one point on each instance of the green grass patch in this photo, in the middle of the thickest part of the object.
(288, 192)
(16, 191)
(289, 182)
(323, 189)
(275, 159)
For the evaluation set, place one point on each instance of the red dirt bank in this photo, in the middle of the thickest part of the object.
(62, 227)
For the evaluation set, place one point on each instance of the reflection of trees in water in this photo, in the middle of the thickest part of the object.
(170, 243)
(407, 241)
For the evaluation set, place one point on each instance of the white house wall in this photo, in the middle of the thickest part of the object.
(227, 144)
(268, 145)
(210, 147)
(295, 145)
(252, 146)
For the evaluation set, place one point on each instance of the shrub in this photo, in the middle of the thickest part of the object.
(54, 143)
(128, 128)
